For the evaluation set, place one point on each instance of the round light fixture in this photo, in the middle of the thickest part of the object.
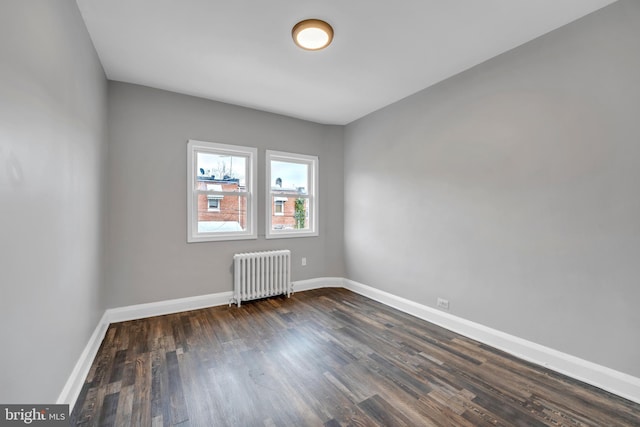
(312, 34)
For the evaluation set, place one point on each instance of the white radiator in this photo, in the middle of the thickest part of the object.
(261, 274)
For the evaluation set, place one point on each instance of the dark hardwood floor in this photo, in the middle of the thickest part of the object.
(327, 357)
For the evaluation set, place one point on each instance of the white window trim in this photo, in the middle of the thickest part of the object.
(312, 194)
(251, 153)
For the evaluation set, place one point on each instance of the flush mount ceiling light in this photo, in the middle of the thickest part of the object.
(312, 34)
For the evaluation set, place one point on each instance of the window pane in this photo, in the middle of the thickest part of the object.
(294, 214)
(222, 184)
(290, 177)
(292, 195)
(221, 167)
(229, 214)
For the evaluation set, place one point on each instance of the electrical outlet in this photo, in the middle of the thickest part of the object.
(304, 261)
(443, 303)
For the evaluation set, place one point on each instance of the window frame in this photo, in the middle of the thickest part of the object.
(312, 195)
(250, 192)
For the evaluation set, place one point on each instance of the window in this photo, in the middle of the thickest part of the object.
(278, 207)
(214, 203)
(292, 195)
(221, 192)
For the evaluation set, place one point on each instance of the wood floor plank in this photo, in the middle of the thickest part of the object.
(125, 406)
(109, 410)
(178, 409)
(141, 409)
(326, 357)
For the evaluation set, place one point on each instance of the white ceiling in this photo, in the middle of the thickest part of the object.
(241, 52)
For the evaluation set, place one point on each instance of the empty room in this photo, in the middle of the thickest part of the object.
(329, 213)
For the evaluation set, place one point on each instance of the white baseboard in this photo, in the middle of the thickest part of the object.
(140, 311)
(321, 282)
(608, 379)
(73, 386)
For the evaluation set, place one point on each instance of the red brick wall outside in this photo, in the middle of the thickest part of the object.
(232, 208)
(286, 221)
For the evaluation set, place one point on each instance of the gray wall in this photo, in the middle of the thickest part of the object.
(53, 95)
(513, 190)
(148, 258)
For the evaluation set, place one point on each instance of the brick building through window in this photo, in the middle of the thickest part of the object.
(226, 212)
(284, 208)
(221, 212)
